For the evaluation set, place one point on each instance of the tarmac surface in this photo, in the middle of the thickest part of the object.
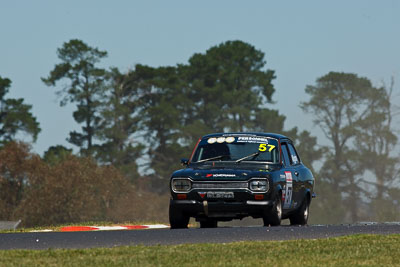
(91, 239)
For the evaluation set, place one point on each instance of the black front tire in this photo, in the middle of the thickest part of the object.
(300, 217)
(177, 219)
(274, 217)
(209, 223)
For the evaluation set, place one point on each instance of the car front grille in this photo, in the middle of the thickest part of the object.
(220, 185)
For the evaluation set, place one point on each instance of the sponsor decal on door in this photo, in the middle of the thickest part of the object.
(288, 190)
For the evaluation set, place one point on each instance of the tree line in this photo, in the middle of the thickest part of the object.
(141, 122)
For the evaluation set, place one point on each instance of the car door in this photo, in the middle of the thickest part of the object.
(288, 172)
(298, 186)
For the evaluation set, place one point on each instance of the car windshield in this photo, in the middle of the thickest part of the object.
(237, 149)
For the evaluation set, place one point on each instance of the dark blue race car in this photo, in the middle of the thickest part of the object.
(234, 175)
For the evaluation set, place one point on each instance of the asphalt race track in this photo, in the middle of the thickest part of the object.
(181, 236)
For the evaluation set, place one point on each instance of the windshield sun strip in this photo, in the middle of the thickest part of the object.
(257, 161)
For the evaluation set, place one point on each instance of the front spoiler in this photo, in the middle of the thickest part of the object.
(222, 209)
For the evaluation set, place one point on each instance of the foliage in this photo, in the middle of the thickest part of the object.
(56, 154)
(163, 101)
(376, 140)
(15, 164)
(119, 124)
(155, 115)
(229, 86)
(158, 114)
(225, 89)
(354, 116)
(72, 191)
(84, 88)
(15, 116)
(68, 188)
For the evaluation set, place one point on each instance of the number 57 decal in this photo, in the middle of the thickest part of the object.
(263, 147)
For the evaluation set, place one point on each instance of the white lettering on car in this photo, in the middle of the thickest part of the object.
(224, 175)
(250, 139)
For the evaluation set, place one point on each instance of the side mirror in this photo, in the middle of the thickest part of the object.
(184, 162)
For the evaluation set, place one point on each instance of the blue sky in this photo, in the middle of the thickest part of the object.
(302, 40)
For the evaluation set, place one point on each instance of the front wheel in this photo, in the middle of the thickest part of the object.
(177, 219)
(274, 217)
(300, 217)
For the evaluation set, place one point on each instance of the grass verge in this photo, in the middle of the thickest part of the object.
(356, 250)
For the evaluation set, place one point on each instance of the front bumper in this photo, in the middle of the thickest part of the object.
(222, 210)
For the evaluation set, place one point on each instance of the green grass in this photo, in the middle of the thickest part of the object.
(357, 250)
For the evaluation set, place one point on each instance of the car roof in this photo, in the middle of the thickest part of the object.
(272, 135)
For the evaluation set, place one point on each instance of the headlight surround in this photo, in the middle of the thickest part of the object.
(259, 185)
(181, 185)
